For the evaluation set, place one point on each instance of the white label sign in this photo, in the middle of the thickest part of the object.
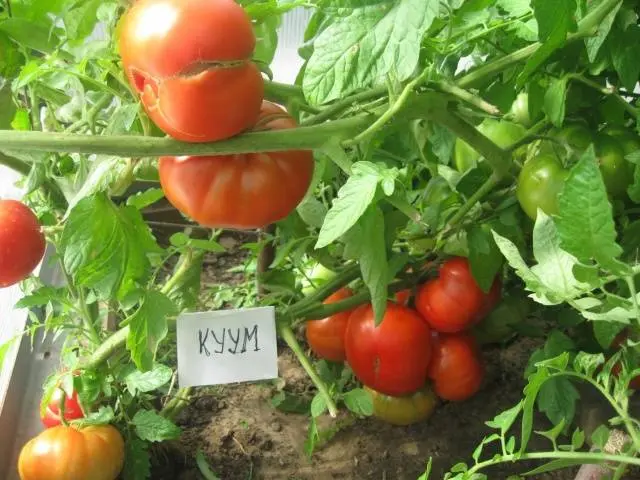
(227, 346)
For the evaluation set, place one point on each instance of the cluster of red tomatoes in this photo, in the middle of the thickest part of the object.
(413, 352)
(190, 63)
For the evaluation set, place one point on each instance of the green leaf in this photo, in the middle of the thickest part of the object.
(154, 428)
(103, 416)
(137, 465)
(318, 405)
(354, 197)
(557, 400)
(122, 119)
(204, 467)
(185, 292)
(605, 332)
(554, 432)
(148, 327)
(143, 199)
(155, 378)
(600, 436)
(365, 43)
(531, 390)
(373, 260)
(81, 20)
(634, 189)
(504, 420)
(359, 402)
(594, 42)
(588, 363)
(585, 222)
(515, 8)
(555, 99)
(109, 255)
(42, 296)
(29, 34)
(511, 253)
(577, 439)
(624, 58)
(484, 256)
(290, 403)
(553, 466)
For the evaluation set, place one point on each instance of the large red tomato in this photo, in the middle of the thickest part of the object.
(326, 336)
(239, 191)
(68, 453)
(72, 408)
(456, 368)
(190, 62)
(22, 243)
(454, 301)
(393, 357)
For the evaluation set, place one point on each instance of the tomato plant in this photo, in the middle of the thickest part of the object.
(61, 405)
(539, 184)
(615, 170)
(22, 242)
(405, 410)
(67, 453)
(454, 302)
(190, 62)
(392, 357)
(239, 191)
(456, 369)
(326, 336)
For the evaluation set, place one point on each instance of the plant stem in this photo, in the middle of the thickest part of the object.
(281, 92)
(467, 97)
(288, 336)
(484, 189)
(13, 163)
(174, 406)
(343, 104)
(606, 91)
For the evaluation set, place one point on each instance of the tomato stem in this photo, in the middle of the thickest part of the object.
(289, 337)
(178, 403)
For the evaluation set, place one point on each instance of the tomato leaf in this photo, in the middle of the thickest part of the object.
(505, 420)
(81, 19)
(531, 390)
(363, 44)
(484, 256)
(142, 200)
(585, 223)
(153, 427)
(318, 405)
(555, 99)
(137, 463)
(557, 400)
(594, 42)
(103, 416)
(359, 402)
(634, 188)
(600, 436)
(149, 381)
(624, 59)
(148, 327)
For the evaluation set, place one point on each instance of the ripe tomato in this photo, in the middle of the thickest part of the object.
(68, 453)
(72, 408)
(616, 171)
(454, 302)
(539, 184)
(403, 296)
(190, 62)
(393, 357)
(326, 336)
(22, 243)
(405, 410)
(456, 368)
(240, 191)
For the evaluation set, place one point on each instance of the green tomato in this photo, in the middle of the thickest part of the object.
(616, 171)
(520, 109)
(628, 141)
(539, 183)
(499, 325)
(315, 277)
(576, 135)
(501, 132)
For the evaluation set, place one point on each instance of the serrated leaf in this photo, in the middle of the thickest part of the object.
(155, 378)
(359, 402)
(515, 8)
(152, 427)
(122, 119)
(557, 400)
(137, 465)
(42, 296)
(531, 391)
(103, 416)
(148, 327)
(555, 99)
(600, 436)
(577, 439)
(585, 220)
(624, 59)
(588, 363)
(143, 199)
(318, 405)
(504, 420)
(484, 256)
(373, 260)
(365, 43)
(511, 253)
(554, 432)
(594, 42)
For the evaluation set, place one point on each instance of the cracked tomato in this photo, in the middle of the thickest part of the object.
(22, 243)
(241, 191)
(404, 410)
(454, 302)
(190, 63)
(393, 357)
(69, 453)
(326, 336)
(456, 368)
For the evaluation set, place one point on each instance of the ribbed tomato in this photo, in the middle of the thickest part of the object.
(22, 243)
(456, 367)
(404, 410)
(240, 191)
(190, 62)
(326, 336)
(392, 357)
(68, 453)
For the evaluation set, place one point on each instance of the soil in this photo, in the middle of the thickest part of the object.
(243, 437)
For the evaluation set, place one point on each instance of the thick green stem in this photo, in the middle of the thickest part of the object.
(179, 402)
(289, 337)
(281, 92)
(484, 189)
(341, 105)
(23, 168)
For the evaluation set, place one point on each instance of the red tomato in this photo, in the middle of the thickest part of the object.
(393, 357)
(403, 296)
(72, 408)
(326, 336)
(190, 62)
(239, 191)
(67, 453)
(456, 368)
(22, 243)
(454, 302)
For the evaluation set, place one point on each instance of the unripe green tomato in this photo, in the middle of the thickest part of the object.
(520, 109)
(319, 275)
(539, 183)
(628, 141)
(499, 131)
(616, 171)
(498, 325)
(576, 135)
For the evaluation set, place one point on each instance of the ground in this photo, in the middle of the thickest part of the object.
(245, 438)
